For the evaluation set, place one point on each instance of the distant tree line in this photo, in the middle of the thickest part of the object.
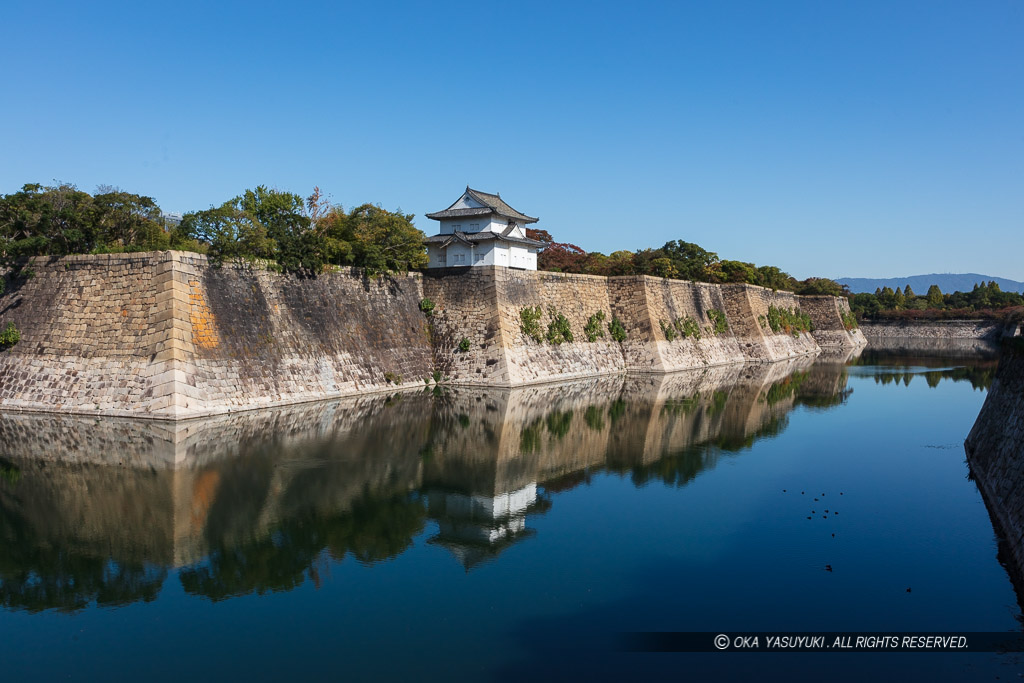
(676, 259)
(300, 235)
(985, 299)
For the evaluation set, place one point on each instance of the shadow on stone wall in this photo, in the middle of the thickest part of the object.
(995, 455)
(98, 511)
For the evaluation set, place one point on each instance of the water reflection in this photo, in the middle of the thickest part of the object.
(97, 511)
(901, 368)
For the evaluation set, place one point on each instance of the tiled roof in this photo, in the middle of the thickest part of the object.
(472, 237)
(493, 203)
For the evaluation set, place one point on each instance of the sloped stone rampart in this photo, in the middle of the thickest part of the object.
(169, 335)
(995, 454)
(827, 314)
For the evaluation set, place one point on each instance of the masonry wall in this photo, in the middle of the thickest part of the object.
(168, 335)
(995, 454)
(827, 314)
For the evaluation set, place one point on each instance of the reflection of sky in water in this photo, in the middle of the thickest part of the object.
(483, 532)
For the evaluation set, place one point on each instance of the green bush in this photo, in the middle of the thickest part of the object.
(668, 330)
(719, 323)
(559, 330)
(529, 323)
(617, 330)
(464, 345)
(9, 336)
(593, 329)
(392, 378)
(427, 306)
(790, 321)
(849, 321)
(688, 327)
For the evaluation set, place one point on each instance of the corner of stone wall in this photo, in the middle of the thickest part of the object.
(466, 306)
(739, 311)
(827, 315)
(172, 393)
(627, 295)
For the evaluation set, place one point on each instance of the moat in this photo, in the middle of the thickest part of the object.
(509, 534)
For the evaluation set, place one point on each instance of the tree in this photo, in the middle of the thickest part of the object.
(908, 293)
(690, 260)
(820, 285)
(229, 231)
(934, 296)
(382, 241)
(734, 271)
(899, 301)
(774, 278)
(126, 222)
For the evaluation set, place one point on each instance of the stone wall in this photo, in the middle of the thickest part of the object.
(879, 330)
(484, 307)
(827, 314)
(168, 335)
(995, 454)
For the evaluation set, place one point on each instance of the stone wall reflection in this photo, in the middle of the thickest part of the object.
(99, 510)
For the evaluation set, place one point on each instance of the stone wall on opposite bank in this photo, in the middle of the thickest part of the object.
(170, 335)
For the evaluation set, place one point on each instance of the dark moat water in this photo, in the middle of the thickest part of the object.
(494, 534)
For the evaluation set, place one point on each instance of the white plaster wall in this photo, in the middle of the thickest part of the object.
(456, 250)
(520, 257)
(434, 257)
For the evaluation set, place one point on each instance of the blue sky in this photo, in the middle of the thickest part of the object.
(828, 138)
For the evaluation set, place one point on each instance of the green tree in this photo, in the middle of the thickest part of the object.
(127, 222)
(820, 285)
(934, 297)
(690, 260)
(380, 241)
(899, 301)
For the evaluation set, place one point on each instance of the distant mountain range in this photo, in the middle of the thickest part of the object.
(947, 282)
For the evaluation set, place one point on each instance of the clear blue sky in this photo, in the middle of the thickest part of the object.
(829, 138)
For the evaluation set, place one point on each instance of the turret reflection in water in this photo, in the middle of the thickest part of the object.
(98, 511)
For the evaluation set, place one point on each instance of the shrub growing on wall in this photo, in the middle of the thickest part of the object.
(849, 321)
(688, 327)
(529, 323)
(593, 329)
(617, 330)
(790, 321)
(559, 330)
(719, 324)
(9, 336)
(668, 330)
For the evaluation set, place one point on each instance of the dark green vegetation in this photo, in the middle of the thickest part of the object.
(617, 330)
(300, 235)
(720, 324)
(592, 329)
(789, 321)
(306, 235)
(9, 336)
(986, 301)
(675, 259)
(529, 323)
(559, 330)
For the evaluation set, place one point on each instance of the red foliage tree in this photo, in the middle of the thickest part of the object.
(557, 256)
